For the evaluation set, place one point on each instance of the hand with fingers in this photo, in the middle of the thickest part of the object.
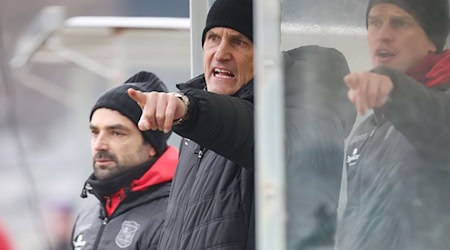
(159, 109)
(368, 90)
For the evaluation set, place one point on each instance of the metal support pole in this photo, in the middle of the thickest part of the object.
(270, 162)
(197, 10)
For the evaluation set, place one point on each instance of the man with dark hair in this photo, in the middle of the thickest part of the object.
(398, 161)
(132, 174)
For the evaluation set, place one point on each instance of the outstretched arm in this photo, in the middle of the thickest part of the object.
(419, 113)
(221, 123)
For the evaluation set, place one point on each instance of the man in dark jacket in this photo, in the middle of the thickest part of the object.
(212, 198)
(398, 161)
(211, 205)
(132, 174)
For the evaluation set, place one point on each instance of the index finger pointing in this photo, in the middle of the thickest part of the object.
(138, 97)
(351, 80)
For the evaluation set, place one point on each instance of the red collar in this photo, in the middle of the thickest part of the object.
(161, 171)
(432, 70)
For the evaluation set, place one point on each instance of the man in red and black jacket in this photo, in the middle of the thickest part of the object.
(132, 175)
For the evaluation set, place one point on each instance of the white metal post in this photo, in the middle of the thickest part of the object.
(197, 13)
(270, 162)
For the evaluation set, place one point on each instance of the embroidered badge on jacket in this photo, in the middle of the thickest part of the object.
(125, 237)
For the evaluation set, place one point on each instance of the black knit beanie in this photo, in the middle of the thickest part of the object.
(432, 15)
(118, 99)
(234, 14)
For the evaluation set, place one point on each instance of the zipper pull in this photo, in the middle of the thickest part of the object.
(200, 154)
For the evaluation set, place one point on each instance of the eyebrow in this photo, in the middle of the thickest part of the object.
(237, 36)
(210, 32)
(111, 127)
(397, 17)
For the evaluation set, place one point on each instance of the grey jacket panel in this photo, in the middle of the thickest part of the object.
(137, 225)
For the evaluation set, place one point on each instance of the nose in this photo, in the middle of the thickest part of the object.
(99, 142)
(223, 51)
(385, 33)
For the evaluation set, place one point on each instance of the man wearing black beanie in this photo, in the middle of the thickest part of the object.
(211, 205)
(398, 161)
(132, 175)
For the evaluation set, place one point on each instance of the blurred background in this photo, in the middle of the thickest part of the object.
(56, 60)
(54, 66)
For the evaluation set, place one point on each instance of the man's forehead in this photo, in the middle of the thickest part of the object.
(389, 9)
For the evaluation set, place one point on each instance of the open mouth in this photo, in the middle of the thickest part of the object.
(222, 73)
(384, 53)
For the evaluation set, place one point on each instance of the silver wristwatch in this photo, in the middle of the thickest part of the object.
(186, 102)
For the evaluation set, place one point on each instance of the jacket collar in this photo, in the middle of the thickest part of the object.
(433, 70)
(113, 192)
(138, 178)
(199, 82)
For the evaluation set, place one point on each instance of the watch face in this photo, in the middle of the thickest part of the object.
(186, 102)
(183, 98)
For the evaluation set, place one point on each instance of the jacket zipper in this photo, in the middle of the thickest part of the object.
(199, 155)
(100, 232)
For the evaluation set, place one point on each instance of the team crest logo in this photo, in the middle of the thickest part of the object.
(125, 237)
